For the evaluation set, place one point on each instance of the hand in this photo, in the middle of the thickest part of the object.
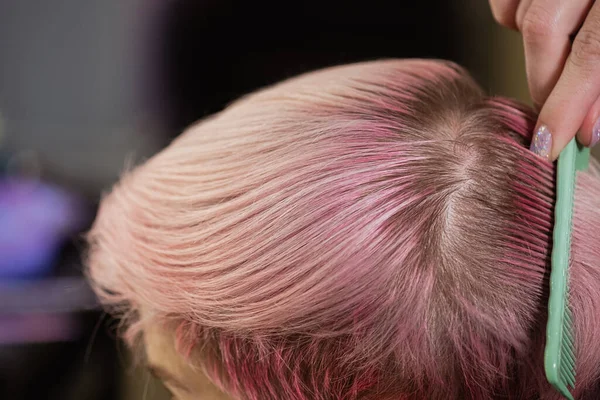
(563, 73)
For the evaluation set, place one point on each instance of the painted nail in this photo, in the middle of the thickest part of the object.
(595, 133)
(542, 142)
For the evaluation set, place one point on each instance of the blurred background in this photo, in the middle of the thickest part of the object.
(90, 86)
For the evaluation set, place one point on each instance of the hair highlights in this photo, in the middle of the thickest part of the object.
(371, 231)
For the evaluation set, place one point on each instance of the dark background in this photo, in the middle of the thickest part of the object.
(88, 86)
(218, 50)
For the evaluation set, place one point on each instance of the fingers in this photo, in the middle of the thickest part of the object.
(590, 129)
(565, 78)
(546, 26)
(521, 10)
(505, 12)
(577, 89)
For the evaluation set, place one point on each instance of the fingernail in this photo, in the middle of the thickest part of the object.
(595, 133)
(541, 144)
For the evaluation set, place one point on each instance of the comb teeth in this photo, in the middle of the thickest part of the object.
(567, 359)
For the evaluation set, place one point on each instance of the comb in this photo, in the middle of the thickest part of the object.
(559, 354)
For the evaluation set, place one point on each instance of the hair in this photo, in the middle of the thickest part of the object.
(371, 231)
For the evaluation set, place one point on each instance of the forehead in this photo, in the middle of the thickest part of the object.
(159, 343)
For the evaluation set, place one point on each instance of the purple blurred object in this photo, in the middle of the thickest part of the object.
(35, 220)
(38, 328)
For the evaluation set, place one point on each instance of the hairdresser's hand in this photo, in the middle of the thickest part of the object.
(563, 73)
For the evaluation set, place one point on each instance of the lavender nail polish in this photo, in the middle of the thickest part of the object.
(595, 133)
(542, 142)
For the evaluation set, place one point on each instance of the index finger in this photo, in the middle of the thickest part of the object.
(505, 12)
(577, 88)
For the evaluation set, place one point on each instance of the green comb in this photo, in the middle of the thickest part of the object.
(559, 354)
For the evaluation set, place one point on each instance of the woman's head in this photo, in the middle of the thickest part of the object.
(371, 231)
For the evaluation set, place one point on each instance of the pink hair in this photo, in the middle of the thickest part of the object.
(371, 231)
